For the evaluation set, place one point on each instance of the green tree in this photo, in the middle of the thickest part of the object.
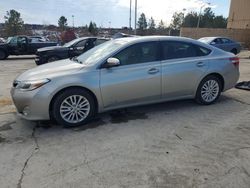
(191, 20)
(161, 25)
(151, 26)
(13, 23)
(220, 22)
(177, 20)
(207, 20)
(62, 23)
(92, 28)
(142, 24)
(161, 28)
(151, 23)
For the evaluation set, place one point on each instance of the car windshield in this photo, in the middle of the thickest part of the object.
(68, 44)
(99, 52)
(9, 39)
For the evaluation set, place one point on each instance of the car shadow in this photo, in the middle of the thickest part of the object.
(14, 129)
(133, 113)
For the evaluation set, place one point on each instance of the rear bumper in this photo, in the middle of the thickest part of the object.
(231, 79)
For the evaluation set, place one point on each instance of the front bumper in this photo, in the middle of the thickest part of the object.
(40, 60)
(32, 105)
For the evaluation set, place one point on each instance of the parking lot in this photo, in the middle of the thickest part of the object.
(174, 144)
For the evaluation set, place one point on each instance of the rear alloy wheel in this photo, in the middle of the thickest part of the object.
(3, 55)
(209, 90)
(73, 108)
(53, 58)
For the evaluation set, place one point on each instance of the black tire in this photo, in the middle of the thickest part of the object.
(52, 58)
(234, 51)
(58, 102)
(200, 99)
(3, 55)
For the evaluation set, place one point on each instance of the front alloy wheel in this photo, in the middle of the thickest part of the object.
(73, 107)
(3, 55)
(209, 90)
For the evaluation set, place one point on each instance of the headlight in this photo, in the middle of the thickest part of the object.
(31, 85)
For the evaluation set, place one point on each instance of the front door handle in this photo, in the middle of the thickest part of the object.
(153, 71)
(200, 64)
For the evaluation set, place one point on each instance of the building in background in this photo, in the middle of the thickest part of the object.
(239, 15)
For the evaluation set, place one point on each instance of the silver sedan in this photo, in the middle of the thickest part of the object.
(122, 73)
(223, 43)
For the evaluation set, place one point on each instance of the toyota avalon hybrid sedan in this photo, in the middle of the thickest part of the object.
(122, 73)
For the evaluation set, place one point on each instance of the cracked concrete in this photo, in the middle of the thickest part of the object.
(35, 150)
(176, 144)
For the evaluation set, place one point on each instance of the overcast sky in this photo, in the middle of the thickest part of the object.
(105, 13)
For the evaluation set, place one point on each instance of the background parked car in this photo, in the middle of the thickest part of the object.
(38, 39)
(21, 45)
(68, 50)
(121, 35)
(223, 43)
(121, 73)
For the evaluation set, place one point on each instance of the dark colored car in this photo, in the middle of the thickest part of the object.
(71, 49)
(223, 43)
(21, 45)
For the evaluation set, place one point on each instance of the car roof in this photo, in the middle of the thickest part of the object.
(212, 38)
(131, 40)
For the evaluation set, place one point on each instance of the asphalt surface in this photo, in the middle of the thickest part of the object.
(174, 144)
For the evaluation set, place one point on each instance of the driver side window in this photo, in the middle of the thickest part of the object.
(13, 40)
(139, 53)
(81, 44)
(21, 40)
(217, 41)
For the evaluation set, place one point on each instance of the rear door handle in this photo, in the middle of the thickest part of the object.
(153, 71)
(200, 64)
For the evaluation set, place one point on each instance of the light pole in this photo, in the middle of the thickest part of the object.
(135, 15)
(199, 19)
(130, 15)
(73, 21)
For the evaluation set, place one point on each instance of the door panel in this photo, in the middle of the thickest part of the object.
(182, 67)
(180, 77)
(131, 84)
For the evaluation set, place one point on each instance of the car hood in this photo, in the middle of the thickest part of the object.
(52, 48)
(50, 70)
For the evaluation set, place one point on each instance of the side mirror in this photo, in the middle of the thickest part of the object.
(213, 43)
(112, 62)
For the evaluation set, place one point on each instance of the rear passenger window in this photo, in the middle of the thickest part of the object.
(201, 51)
(177, 50)
(224, 40)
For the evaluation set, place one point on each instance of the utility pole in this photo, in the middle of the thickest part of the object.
(130, 15)
(135, 15)
(73, 21)
(199, 19)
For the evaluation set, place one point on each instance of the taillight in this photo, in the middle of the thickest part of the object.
(235, 61)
